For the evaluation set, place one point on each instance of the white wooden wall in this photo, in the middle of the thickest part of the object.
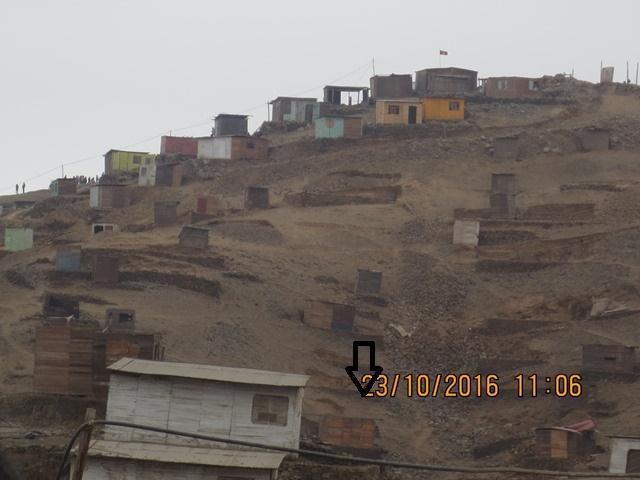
(218, 148)
(210, 408)
(121, 469)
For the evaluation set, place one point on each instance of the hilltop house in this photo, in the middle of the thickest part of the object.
(446, 81)
(292, 109)
(234, 403)
(125, 161)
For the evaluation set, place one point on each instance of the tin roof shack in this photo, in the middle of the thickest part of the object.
(625, 454)
(64, 186)
(399, 111)
(333, 95)
(60, 305)
(230, 124)
(233, 148)
(292, 109)
(594, 139)
(106, 269)
(512, 87)
(612, 359)
(564, 442)
(466, 233)
(69, 259)
(368, 282)
(187, 146)
(256, 198)
(63, 360)
(165, 214)
(391, 86)
(243, 404)
(329, 316)
(338, 127)
(442, 109)
(446, 81)
(18, 239)
(97, 228)
(118, 320)
(194, 237)
(125, 161)
(109, 196)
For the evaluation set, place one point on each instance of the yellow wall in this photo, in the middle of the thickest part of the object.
(384, 117)
(123, 161)
(440, 109)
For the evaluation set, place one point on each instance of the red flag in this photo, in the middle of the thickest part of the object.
(444, 52)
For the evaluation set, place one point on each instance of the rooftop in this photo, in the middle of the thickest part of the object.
(209, 372)
(230, 115)
(154, 452)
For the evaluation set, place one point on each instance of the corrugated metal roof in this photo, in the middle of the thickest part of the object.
(156, 452)
(209, 372)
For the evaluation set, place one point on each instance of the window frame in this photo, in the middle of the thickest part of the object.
(269, 410)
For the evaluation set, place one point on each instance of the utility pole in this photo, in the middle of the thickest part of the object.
(628, 81)
(637, 68)
(62, 166)
(373, 66)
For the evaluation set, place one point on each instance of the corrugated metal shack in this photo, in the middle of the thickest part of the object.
(69, 259)
(292, 109)
(187, 146)
(168, 175)
(391, 86)
(256, 198)
(109, 196)
(338, 127)
(512, 87)
(329, 316)
(614, 359)
(194, 237)
(231, 124)
(565, 442)
(466, 232)
(106, 269)
(18, 239)
(64, 186)
(165, 213)
(502, 200)
(446, 81)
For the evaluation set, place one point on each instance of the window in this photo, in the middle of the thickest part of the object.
(454, 106)
(270, 410)
(143, 170)
(533, 85)
(137, 159)
(394, 110)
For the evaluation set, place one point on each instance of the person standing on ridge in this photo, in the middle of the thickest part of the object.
(17, 189)
(23, 186)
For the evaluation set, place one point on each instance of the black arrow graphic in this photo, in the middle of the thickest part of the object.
(374, 369)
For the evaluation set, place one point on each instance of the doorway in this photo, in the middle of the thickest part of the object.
(413, 115)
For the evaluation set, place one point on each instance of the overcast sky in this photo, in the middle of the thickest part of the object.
(79, 77)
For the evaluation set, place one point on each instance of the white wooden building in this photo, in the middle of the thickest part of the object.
(234, 403)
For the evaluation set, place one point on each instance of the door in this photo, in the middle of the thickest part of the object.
(633, 461)
(413, 115)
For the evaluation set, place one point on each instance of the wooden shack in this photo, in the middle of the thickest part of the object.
(357, 434)
(109, 196)
(60, 305)
(565, 442)
(120, 320)
(256, 198)
(165, 214)
(329, 316)
(613, 359)
(97, 228)
(194, 237)
(64, 186)
(106, 269)
(168, 175)
(69, 259)
(502, 205)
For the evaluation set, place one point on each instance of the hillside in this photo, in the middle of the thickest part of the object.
(238, 303)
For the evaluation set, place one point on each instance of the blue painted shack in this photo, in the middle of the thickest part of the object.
(69, 259)
(17, 239)
(338, 127)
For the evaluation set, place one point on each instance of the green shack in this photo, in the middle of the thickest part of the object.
(126, 161)
(338, 127)
(17, 239)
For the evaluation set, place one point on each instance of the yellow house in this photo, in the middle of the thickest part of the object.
(399, 111)
(442, 108)
(125, 161)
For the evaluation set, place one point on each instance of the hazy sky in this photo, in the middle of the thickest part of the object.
(79, 77)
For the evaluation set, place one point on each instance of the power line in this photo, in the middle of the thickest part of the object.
(88, 427)
(155, 137)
